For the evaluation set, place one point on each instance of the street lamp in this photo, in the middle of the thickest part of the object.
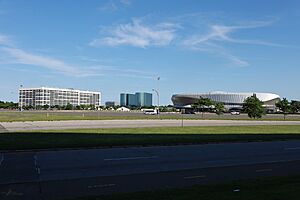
(157, 93)
(21, 98)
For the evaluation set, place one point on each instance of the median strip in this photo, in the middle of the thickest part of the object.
(263, 170)
(195, 177)
(101, 186)
(130, 158)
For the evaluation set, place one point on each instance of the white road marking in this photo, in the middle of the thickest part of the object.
(130, 158)
(193, 177)
(2, 159)
(11, 193)
(101, 186)
(264, 170)
(292, 148)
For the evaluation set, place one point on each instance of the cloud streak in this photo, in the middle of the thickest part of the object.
(126, 2)
(13, 55)
(138, 35)
(19, 56)
(5, 40)
(113, 6)
(109, 6)
(220, 34)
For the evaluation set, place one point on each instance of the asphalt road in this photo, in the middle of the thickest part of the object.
(81, 124)
(65, 174)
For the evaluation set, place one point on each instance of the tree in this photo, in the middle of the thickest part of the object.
(46, 107)
(8, 105)
(202, 103)
(253, 107)
(295, 106)
(78, 107)
(285, 106)
(92, 107)
(69, 106)
(219, 108)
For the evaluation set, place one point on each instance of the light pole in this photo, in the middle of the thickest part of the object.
(21, 98)
(157, 93)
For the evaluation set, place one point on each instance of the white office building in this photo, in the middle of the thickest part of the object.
(56, 96)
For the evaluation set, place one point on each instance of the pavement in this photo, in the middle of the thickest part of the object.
(82, 124)
(2, 129)
(50, 175)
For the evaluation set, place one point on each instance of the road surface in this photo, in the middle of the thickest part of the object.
(50, 175)
(81, 124)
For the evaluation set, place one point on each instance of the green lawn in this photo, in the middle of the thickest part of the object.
(12, 116)
(43, 116)
(264, 129)
(89, 138)
(279, 188)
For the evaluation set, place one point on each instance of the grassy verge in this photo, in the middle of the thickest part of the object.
(279, 188)
(145, 136)
(14, 116)
(264, 129)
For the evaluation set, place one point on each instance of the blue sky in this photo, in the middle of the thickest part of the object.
(116, 46)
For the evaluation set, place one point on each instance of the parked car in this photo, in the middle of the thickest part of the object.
(235, 112)
(150, 112)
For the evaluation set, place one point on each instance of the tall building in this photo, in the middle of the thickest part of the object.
(139, 99)
(143, 99)
(56, 96)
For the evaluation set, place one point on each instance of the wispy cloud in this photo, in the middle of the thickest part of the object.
(220, 34)
(114, 5)
(5, 40)
(10, 55)
(138, 34)
(109, 6)
(126, 2)
(19, 56)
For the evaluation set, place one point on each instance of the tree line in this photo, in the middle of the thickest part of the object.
(8, 105)
(57, 107)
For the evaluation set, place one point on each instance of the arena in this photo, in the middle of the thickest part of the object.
(231, 100)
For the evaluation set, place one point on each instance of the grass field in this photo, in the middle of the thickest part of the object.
(279, 188)
(12, 116)
(264, 129)
(89, 138)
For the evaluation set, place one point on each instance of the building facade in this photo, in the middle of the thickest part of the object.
(143, 99)
(139, 99)
(110, 104)
(229, 99)
(42, 96)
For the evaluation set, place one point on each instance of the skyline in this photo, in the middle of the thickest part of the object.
(117, 46)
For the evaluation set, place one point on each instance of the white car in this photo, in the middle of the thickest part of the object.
(150, 112)
(235, 112)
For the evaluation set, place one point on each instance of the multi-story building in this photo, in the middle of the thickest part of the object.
(110, 104)
(56, 96)
(139, 99)
(143, 99)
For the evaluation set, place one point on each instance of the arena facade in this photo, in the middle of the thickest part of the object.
(231, 100)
